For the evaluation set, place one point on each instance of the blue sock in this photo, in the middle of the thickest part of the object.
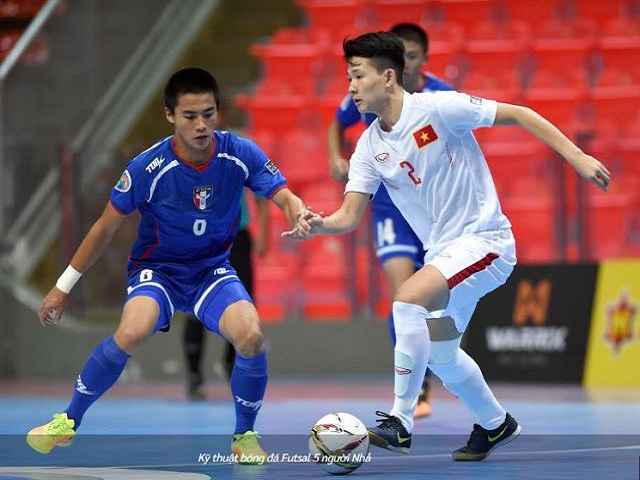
(100, 372)
(392, 329)
(248, 384)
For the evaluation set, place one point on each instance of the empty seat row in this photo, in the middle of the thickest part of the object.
(344, 14)
(312, 63)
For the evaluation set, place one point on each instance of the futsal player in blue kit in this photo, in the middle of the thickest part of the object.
(398, 249)
(187, 189)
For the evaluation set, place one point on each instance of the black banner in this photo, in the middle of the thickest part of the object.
(535, 328)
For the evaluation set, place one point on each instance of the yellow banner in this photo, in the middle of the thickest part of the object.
(613, 352)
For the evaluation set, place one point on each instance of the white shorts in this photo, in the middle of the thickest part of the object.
(473, 265)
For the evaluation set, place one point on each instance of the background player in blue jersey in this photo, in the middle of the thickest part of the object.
(187, 189)
(397, 247)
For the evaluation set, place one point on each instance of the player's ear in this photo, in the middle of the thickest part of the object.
(389, 75)
(170, 115)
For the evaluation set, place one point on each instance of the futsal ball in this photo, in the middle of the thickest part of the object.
(339, 443)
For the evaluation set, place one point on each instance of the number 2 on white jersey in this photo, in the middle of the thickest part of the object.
(410, 167)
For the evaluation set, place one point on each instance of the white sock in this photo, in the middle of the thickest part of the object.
(463, 378)
(411, 355)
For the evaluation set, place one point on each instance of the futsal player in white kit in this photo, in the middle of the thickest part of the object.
(422, 149)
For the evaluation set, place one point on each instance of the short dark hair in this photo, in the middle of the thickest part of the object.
(189, 80)
(412, 33)
(384, 49)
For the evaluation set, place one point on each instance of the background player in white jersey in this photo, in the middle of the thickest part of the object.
(423, 150)
(187, 189)
(398, 248)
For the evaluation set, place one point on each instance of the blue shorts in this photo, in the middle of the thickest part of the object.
(204, 291)
(392, 234)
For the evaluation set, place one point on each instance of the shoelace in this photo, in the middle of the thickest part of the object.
(248, 436)
(59, 424)
(387, 421)
(478, 431)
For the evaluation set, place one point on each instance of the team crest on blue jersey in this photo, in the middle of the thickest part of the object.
(201, 196)
(124, 184)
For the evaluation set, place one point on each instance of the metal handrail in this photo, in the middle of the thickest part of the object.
(27, 37)
(38, 223)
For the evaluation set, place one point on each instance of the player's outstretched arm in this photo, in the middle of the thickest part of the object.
(290, 204)
(587, 166)
(91, 248)
(343, 220)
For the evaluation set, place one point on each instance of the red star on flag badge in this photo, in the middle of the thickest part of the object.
(425, 136)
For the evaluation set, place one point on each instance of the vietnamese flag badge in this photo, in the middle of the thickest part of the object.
(425, 136)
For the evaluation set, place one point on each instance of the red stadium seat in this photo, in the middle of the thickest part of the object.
(609, 223)
(398, 11)
(446, 42)
(275, 289)
(277, 113)
(337, 14)
(533, 13)
(266, 140)
(599, 10)
(558, 44)
(468, 12)
(307, 35)
(619, 43)
(513, 160)
(616, 96)
(501, 46)
(303, 157)
(20, 10)
(291, 65)
(497, 85)
(323, 277)
(323, 196)
(532, 222)
(559, 95)
(628, 155)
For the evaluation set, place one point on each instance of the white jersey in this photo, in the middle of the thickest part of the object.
(432, 166)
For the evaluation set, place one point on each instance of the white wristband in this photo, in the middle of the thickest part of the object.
(68, 279)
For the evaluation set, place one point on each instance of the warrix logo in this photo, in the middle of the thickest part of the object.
(531, 305)
(532, 302)
(246, 403)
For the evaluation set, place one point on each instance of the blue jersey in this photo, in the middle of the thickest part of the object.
(190, 216)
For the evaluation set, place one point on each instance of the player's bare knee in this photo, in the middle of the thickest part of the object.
(405, 294)
(128, 337)
(251, 342)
